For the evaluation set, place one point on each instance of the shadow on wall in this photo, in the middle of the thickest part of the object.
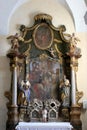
(4, 86)
(85, 18)
(85, 2)
(84, 116)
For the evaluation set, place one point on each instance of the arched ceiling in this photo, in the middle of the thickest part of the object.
(77, 10)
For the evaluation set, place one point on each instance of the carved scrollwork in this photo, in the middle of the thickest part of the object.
(8, 95)
(79, 95)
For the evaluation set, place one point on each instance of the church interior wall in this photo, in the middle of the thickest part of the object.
(24, 15)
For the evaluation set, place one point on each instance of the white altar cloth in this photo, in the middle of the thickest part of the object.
(44, 126)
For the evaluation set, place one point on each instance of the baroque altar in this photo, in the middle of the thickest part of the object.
(43, 62)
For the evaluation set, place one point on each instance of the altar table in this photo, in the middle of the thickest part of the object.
(44, 126)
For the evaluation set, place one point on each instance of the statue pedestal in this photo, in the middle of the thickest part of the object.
(12, 118)
(75, 117)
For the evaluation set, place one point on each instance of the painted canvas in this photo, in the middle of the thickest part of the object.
(44, 77)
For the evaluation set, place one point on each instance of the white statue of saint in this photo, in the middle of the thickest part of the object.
(44, 114)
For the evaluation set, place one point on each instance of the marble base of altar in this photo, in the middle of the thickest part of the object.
(44, 126)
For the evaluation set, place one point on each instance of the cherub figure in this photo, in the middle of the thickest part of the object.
(52, 52)
(15, 41)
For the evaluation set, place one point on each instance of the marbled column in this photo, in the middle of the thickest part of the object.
(73, 84)
(14, 87)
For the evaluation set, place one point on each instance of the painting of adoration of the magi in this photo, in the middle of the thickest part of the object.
(44, 77)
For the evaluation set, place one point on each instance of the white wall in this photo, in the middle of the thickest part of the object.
(81, 75)
(24, 15)
(4, 80)
(82, 69)
(76, 8)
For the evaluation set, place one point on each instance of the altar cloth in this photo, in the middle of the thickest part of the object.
(44, 126)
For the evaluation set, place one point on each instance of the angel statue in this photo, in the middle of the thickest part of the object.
(15, 41)
(73, 49)
(74, 39)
